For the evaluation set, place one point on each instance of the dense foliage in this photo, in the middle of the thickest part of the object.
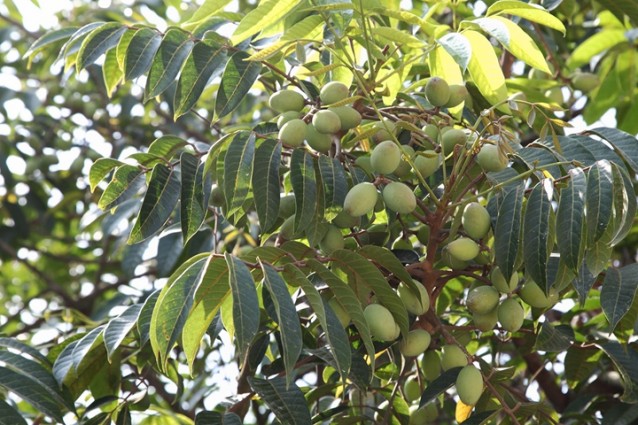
(318, 211)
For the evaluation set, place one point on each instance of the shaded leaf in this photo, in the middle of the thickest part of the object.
(117, 328)
(127, 180)
(167, 62)
(49, 38)
(237, 79)
(599, 200)
(98, 41)
(304, 185)
(238, 170)
(439, 385)
(140, 52)
(625, 358)
(30, 391)
(507, 231)
(245, 304)
(286, 402)
(536, 227)
(192, 205)
(570, 220)
(9, 415)
(618, 292)
(144, 318)
(335, 183)
(265, 180)
(554, 339)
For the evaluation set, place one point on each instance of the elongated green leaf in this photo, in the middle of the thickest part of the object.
(618, 292)
(9, 415)
(625, 144)
(620, 8)
(347, 299)
(485, 68)
(216, 418)
(335, 184)
(31, 391)
(286, 402)
(309, 28)
(111, 72)
(193, 210)
(397, 36)
(304, 185)
(362, 272)
(626, 360)
(167, 62)
(144, 318)
(140, 52)
(570, 220)
(383, 257)
(211, 291)
(50, 38)
(23, 348)
(599, 201)
(554, 339)
(338, 342)
(122, 47)
(91, 340)
(98, 42)
(290, 329)
(266, 182)
(265, 14)
(126, 182)
(624, 203)
(203, 63)
(536, 226)
(238, 170)
(515, 40)
(160, 200)
(245, 304)
(458, 48)
(531, 12)
(166, 146)
(99, 169)
(439, 385)
(64, 361)
(237, 79)
(73, 44)
(117, 328)
(206, 10)
(594, 45)
(173, 306)
(507, 231)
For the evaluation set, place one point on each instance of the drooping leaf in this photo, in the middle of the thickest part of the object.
(122, 47)
(245, 304)
(618, 292)
(203, 63)
(50, 38)
(570, 219)
(159, 202)
(536, 227)
(335, 184)
(599, 200)
(531, 12)
(625, 358)
(117, 328)
(286, 402)
(304, 185)
(23, 348)
(265, 180)
(126, 181)
(144, 318)
(459, 49)
(583, 282)
(485, 69)
(625, 203)
(439, 385)
(237, 79)
(9, 415)
(554, 338)
(98, 41)
(620, 8)
(625, 144)
(206, 10)
(99, 169)
(383, 257)
(167, 62)
(140, 52)
(238, 170)
(507, 231)
(111, 72)
(31, 391)
(265, 14)
(193, 207)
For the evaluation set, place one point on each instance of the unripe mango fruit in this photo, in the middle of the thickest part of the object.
(499, 282)
(511, 315)
(415, 343)
(385, 157)
(469, 385)
(333, 92)
(385, 130)
(490, 159)
(360, 199)
(285, 117)
(431, 131)
(413, 304)
(423, 415)
(482, 299)
(217, 197)
(293, 133)
(286, 100)
(458, 93)
(534, 296)
(485, 322)
(364, 163)
(287, 205)
(431, 365)
(332, 240)
(340, 312)
(451, 138)
(344, 220)
(585, 81)
(452, 357)
(437, 91)
(326, 121)
(399, 198)
(381, 323)
(427, 163)
(287, 229)
(404, 166)
(412, 389)
(320, 142)
(463, 249)
(349, 117)
(476, 220)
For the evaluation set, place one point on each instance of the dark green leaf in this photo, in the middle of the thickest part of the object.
(98, 42)
(144, 319)
(335, 183)
(570, 220)
(304, 185)
(91, 340)
(625, 203)
(21, 347)
(554, 339)
(245, 304)
(238, 78)
(385, 258)
(166, 146)
(480, 418)
(265, 182)
(160, 200)
(536, 228)
(508, 231)
(618, 292)
(202, 64)
(140, 52)
(9, 415)
(238, 171)
(73, 44)
(172, 52)
(117, 328)
(49, 38)
(31, 391)
(126, 181)
(599, 202)
(216, 418)
(625, 358)
(583, 282)
(286, 402)
(439, 385)
(193, 209)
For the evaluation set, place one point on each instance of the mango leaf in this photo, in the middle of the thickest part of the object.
(287, 319)
(286, 402)
(20, 347)
(238, 170)
(265, 14)
(531, 12)
(309, 28)
(140, 52)
(622, 8)
(117, 328)
(625, 358)
(337, 338)
(384, 258)
(216, 418)
(245, 304)
(335, 184)
(237, 79)
(126, 182)
(166, 146)
(99, 169)
(192, 199)
(31, 391)
(599, 200)
(160, 200)
(439, 385)
(304, 185)
(73, 44)
(485, 69)
(9, 415)
(212, 289)
(570, 219)
(266, 182)
(459, 49)
(536, 227)
(122, 47)
(624, 144)
(554, 338)
(624, 203)
(203, 63)
(397, 36)
(206, 10)
(111, 72)
(507, 231)
(618, 292)
(144, 318)
(594, 45)
(173, 306)
(97, 42)
(167, 62)
(50, 38)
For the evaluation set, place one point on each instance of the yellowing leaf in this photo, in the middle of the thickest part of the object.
(310, 28)
(206, 10)
(531, 12)
(485, 69)
(462, 412)
(594, 45)
(399, 37)
(266, 14)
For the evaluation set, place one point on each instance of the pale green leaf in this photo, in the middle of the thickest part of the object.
(111, 72)
(208, 9)
(50, 38)
(397, 36)
(459, 49)
(531, 12)
(265, 14)
(594, 45)
(99, 169)
(122, 47)
(622, 8)
(485, 68)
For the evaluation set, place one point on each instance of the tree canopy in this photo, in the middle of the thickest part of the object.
(318, 211)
